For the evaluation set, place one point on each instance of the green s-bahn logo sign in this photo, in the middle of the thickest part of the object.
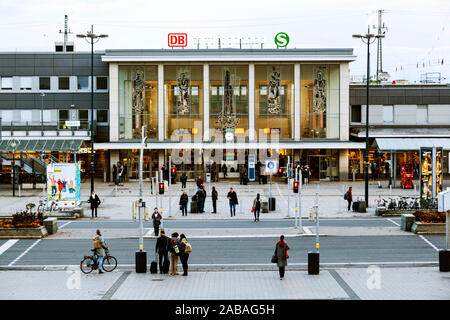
(281, 39)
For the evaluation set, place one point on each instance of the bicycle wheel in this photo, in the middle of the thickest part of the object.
(87, 265)
(109, 263)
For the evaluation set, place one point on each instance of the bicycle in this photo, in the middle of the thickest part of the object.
(90, 263)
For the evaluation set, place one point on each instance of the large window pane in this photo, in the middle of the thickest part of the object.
(63, 83)
(319, 98)
(138, 101)
(228, 87)
(83, 83)
(274, 100)
(44, 83)
(184, 102)
(7, 83)
(26, 83)
(102, 83)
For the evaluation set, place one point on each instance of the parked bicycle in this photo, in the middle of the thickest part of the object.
(90, 263)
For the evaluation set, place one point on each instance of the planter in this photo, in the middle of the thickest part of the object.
(72, 214)
(428, 228)
(23, 233)
(381, 211)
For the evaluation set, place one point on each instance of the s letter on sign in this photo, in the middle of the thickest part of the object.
(177, 40)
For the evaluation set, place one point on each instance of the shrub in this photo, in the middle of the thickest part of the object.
(429, 216)
(23, 219)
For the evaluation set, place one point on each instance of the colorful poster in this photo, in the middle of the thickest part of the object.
(426, 173)
(439, 173)
(63, 184)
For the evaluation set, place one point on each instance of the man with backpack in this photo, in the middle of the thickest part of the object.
(174, 249)
(162, 249)
(348, 197)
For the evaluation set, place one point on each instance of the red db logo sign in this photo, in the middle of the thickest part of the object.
(177, 40)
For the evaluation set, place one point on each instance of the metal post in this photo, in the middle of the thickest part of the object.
(13, 166)
(316, 205)
(141, 226)
(156, 186)
(366, 151)
(296, 201)
(92, 110)
(169, 183)
(141, 161)
(300, 225)
(288, 193)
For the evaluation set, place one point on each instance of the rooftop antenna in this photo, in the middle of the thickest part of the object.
(66, 32)
(381, 30)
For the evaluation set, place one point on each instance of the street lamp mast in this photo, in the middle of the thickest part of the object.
(368, 39)
(92, 38)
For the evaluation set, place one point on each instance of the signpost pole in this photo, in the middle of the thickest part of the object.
(300, 201)
(296, 201)
(288, 187)
(170, 180)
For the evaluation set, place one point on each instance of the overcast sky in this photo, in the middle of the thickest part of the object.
(418, 31)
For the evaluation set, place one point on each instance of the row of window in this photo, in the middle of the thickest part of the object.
(51, 117)
(412, 114)
(45, 83)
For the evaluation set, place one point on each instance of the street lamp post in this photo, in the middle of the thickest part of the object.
(42, 112)
(13, 145)
(92, 38)
(368, 39)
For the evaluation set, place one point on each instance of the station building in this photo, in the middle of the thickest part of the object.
(220, 105)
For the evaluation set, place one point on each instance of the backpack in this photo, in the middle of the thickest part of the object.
(345, 196)
(97, 243)
(188, 248)
(175, 247)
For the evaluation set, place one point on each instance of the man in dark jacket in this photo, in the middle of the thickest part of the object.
(201, 196)
(156, 217)
(162, 249)
(214, 196)
(348, 197)
(94, 200)
(199, 182)
(233, 201)
(183, 179)
(183, 203)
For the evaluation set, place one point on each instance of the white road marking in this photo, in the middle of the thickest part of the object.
(65, 224)
(307, 230)
(394, 222)
(25, 252)
(427, 241)
(8, 244)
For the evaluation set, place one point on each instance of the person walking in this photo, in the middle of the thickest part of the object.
(281, 252)
(183, 179)
(174, 249)
(94, 200)
(114, 173)
(214, 196)
(162, 249)
(184, 199)
(201, 196)
(185, 250)
(156, 217)
(256, 208)
(224, 170)
(348, 196)
(233, 201)
(199, 182)
(258, 171)
(99, 249)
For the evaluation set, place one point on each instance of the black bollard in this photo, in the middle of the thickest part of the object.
(141, 261)
(313, 262)
(272, 203)
(444, 260)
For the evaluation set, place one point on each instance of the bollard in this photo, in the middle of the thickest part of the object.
(444, 260)
(313, 262)
(141, 261)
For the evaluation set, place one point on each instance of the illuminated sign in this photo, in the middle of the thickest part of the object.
(177, 40)
(281, 39)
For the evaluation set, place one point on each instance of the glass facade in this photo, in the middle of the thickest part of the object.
(319, 99)
(274, 98)
(183, 87)
(138, 101)
(228, 98)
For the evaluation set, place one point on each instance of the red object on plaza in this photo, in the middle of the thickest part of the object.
(406, 173)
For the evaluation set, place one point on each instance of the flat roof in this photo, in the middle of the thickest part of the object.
(229, 54)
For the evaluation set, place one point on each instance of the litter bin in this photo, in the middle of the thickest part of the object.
(313, 262)
(272, 204)
(444, 260)
(141, 261)
(208, 177)
(265, 207)
(193, 207)
(264, 179)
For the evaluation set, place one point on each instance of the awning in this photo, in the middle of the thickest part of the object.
(41, 145)
(410, 144)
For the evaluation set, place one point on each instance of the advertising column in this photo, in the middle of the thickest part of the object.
(430, 172)
(63, 184)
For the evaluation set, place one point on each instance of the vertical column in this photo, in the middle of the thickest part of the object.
(297, 95)
(344, 102)
(206, 108)
(161, 115)
(251, 102)
(113, 159)
(343, 165)
(114, 102)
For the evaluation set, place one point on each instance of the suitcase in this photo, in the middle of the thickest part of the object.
(193, 207)
(154, 267)
(355, 206)
(165, 266)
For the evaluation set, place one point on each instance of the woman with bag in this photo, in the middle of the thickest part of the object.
(183, 203)
(281, 254)
(256, 208)
(100, 247)
(174, 249)
(185, 250)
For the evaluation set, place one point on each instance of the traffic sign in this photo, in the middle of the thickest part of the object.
(271, 167)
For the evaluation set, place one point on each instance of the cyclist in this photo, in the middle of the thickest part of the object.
(99, 249)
